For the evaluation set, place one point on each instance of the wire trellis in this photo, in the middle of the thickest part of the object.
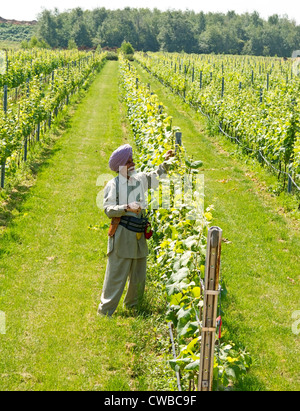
(291, 179)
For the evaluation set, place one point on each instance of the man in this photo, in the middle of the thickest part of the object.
(124, 202)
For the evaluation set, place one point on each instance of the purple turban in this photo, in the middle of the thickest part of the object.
(120, 157)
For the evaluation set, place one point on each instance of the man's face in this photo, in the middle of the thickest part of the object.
(129, 166)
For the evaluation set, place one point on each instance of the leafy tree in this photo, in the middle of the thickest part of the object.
(171, 31)
(47, 28)
(127, 48)
(201, 22)
(212, 40)
(72, 44)
(81, 35)
(176, 33)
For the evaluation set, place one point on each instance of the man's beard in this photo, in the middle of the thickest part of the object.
(131, 172)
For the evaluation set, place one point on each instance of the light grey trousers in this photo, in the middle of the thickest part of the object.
(117, 271)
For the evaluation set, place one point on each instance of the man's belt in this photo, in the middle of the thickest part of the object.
(138, 225)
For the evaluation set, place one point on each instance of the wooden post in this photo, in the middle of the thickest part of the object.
(290, 187)
(290, 184)
(2, 174)
(261, 96)
(27, 87)
(25, 149)
(223, 87)
(7, 61)
(210, 305)
(178, 377)
(38, 131)
(5, 99)
(178, 140)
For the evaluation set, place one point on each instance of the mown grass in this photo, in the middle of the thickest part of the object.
(53, 259)
(260, 255)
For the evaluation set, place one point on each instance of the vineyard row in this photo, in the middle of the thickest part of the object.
(23, 120)
(179, 243)
(16, 67)
(257, 102)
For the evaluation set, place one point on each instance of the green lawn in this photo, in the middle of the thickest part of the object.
(52, 264)
(52, 267)
(9, 44)
(261, 261)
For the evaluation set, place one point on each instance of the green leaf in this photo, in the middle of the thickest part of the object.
(196, 291)
(194, 164)
(194, 365)
(180, 274)
(192, 344)
(176, 299)
(229, 371)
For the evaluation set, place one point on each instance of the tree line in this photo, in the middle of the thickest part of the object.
(172, 31)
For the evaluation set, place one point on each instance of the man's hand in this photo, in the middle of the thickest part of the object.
(169, 154)
(134, 207)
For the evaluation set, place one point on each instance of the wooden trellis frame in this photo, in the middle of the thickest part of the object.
(210, 306)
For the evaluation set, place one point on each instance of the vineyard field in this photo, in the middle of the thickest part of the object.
(35, 90)
(256, 101)
(77, 107)
(242, 202)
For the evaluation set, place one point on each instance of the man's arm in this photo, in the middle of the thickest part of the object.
(111, 208)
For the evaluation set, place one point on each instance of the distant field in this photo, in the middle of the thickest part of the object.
(12, 34)
(6, 44)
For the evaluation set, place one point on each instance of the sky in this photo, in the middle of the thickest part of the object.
(28, 10)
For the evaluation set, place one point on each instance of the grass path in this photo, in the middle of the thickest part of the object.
(52, 265)
(260, 263)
